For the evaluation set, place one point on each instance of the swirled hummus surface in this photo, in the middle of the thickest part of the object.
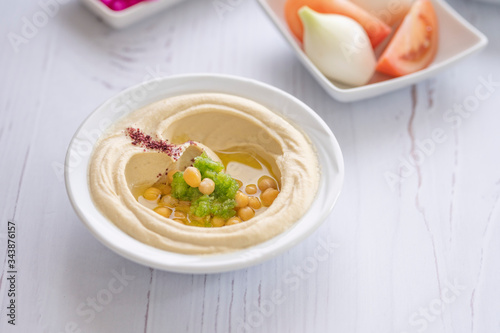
(192, 124)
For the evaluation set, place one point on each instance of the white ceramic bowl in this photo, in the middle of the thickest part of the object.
(123, 18)
(79, 151)
(457, 40)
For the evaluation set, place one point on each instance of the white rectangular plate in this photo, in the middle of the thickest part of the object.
(457, 40)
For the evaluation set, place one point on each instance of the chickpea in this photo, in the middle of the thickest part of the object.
(159, 186)
(179, 215)
(192, 176)
(241, 199)
(218, 222)
(268, 196)
(254, 203)
(233, 220)
(207, 186)
(266, 182)
(246, 213)
(251, 189)
(152, 194)
(184, 209)
(170, 175)
(184, 203)
(180, 221)
(195, 219)
(169, 201)
(240, 183)
(163, 211)
(167, 189)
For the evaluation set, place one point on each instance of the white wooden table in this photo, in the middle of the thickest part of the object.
(415, 233)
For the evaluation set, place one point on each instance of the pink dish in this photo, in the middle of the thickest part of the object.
(118, 5)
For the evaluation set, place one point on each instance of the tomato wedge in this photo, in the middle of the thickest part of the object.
(415, 44)
(376, 29)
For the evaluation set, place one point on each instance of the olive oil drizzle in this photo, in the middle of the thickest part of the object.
(254, 165)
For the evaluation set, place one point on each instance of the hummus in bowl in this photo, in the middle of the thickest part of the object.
(188, 125)
(132, 200)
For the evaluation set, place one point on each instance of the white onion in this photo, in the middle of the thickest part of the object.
(338, 46)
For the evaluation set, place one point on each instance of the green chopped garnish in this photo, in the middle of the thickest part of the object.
(225, 187)
(221, 202)
(182, 191)
(209, 205)
(208, 167)
(201, 207)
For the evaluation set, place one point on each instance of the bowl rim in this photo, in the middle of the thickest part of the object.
(216, 263)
